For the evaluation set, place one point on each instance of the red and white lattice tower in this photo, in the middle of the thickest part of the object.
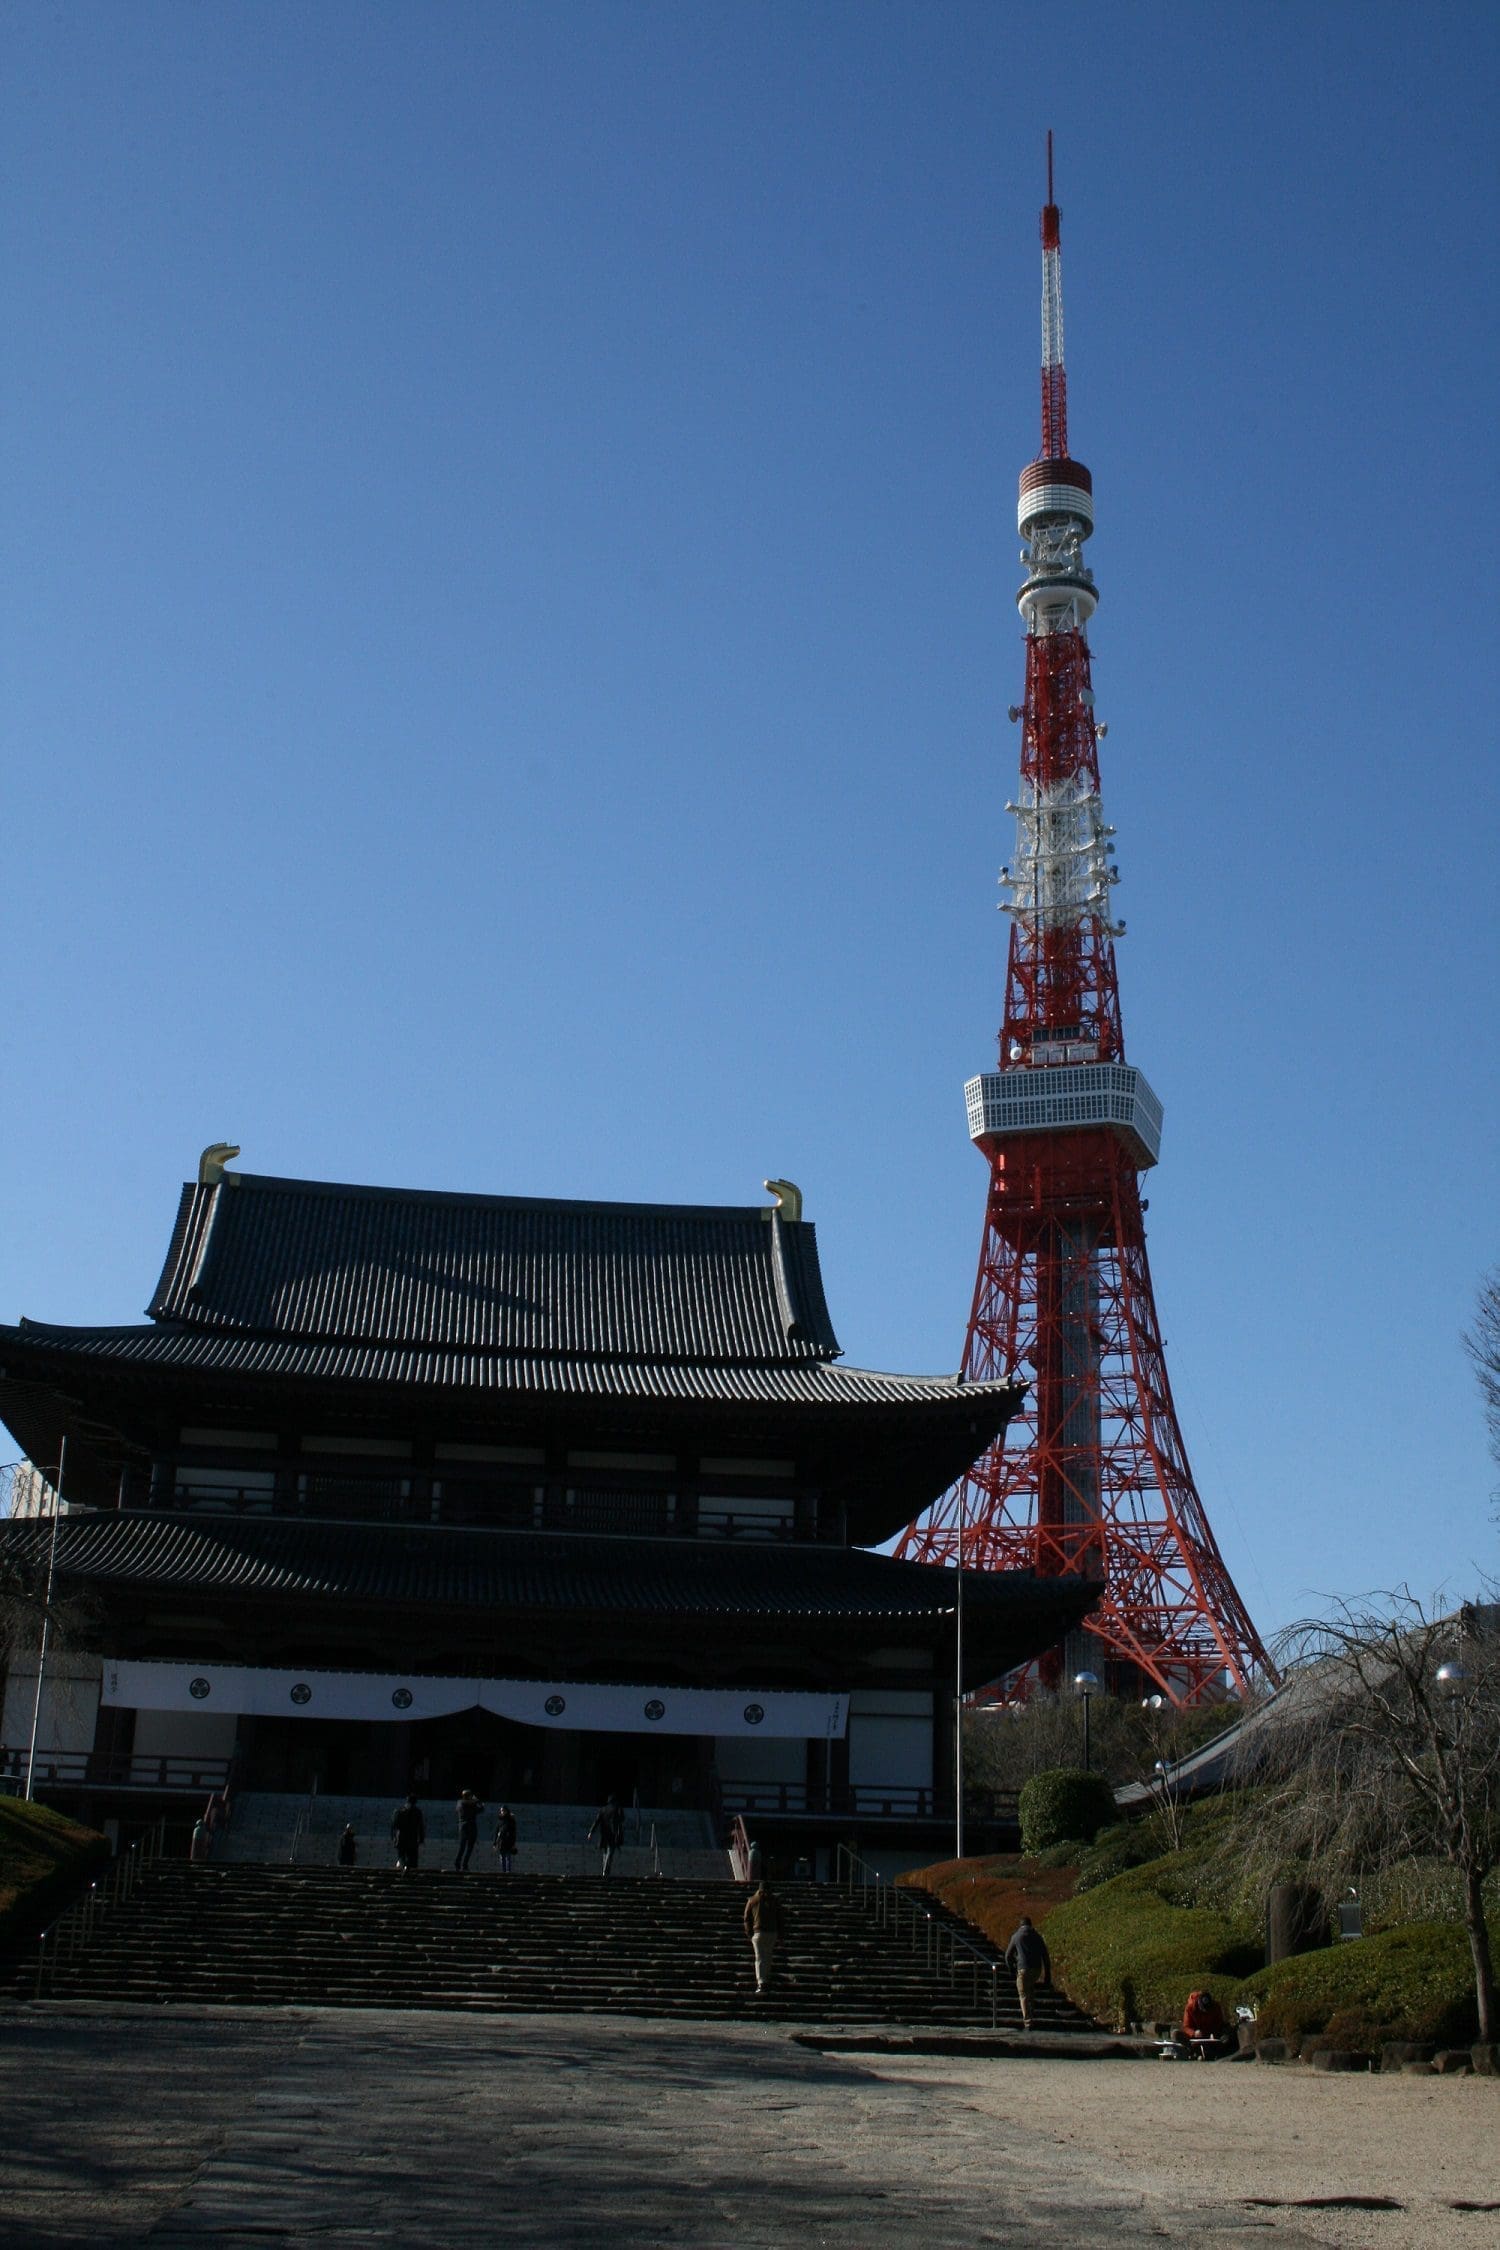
(1092, 1476)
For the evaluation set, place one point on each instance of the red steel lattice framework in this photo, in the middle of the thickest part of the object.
(1092, 1476)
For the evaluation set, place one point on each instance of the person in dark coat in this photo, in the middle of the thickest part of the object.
(505, 1838)
(348, 1850)
(1027, 1955)
(409, 1834)
(469, 1810)
(609, 1827)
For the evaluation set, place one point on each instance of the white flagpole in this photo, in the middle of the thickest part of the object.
(41, 1661)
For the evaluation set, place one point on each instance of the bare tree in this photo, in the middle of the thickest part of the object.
(1384, 1747)
(1482, 1343)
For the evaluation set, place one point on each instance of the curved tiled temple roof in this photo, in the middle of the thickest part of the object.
(308, 1260)
(303, 1301)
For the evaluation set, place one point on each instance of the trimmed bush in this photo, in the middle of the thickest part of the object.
(1415, 1983)
(1064, 1805)
(1114, 1851)
(993, 1893)
(43, 1860)
(1127, 1953)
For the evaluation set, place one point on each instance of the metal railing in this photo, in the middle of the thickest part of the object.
(911, 1914)
(305, 1820)
(110, 1769)
(73, 1931)
(863, 1800)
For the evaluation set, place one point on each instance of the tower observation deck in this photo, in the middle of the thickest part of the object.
(1092, 1477)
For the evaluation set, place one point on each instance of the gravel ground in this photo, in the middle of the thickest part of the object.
(196, 2127)
(1235, 2137)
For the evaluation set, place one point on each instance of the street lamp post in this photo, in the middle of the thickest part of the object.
(958, 1684)
(1086, 1684)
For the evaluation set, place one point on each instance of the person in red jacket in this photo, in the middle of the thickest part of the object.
(1203, 2022)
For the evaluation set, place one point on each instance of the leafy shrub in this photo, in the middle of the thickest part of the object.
(1129, 1843)
(1413, 1983)
(1126, 1952)
(1066, 1854)
(1064, 1804)
(43, 1859)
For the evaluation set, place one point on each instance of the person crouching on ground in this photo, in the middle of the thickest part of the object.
(763, 1928)
(1203, 2025)
(1027, 1955)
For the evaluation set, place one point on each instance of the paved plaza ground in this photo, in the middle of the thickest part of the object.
(559, 2132)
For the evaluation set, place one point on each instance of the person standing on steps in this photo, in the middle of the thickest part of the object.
(505, 1838)
(409, 1834)
(469, 1809)
(763, 1928)
(348, 1850)
(609, 1827)
(1027, 1955)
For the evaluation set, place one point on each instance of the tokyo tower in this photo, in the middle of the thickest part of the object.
(1092, 1476)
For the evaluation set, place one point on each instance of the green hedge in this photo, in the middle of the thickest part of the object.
(1127, 1953)
(1132, 1948)
(1062, 1806)
(44, 1858)
(1414, 1983)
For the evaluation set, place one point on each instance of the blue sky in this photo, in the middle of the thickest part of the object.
(507, 628)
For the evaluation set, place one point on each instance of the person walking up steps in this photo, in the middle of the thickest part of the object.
(609, 1827)
(409, 1834)
(1027, 1955)
(763, 1928)
(469, 1809)
(505, 1838)
(348, 1851)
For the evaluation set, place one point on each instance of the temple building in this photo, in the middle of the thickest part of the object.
(410, 1489)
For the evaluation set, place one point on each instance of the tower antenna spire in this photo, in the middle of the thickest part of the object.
(1054, 378)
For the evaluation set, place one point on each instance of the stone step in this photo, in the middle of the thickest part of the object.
(268, 1935)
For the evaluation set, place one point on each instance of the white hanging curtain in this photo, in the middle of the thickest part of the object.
(567, 1705)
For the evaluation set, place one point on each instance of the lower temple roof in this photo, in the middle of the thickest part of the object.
(510, 1575)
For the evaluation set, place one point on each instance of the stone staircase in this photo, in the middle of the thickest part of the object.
(263, 1935)
(304, 1831)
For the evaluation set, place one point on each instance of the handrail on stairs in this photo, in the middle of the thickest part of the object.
(304, 1820)
(947, 1950)
(74, 1927)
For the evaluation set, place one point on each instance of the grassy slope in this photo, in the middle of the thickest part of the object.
(43, 1857)
(1133, 1947)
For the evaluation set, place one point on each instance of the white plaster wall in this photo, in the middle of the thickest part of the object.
(184, 1734)
(890, 1737)
(741, 1758)
(70, 1701)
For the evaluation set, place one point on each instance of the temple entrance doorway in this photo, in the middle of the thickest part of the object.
(478, 1750)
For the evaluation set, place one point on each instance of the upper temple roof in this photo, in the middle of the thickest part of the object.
(308, 1259)
(484, 1318)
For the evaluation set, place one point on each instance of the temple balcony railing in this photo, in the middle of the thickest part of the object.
(861, 1800)
(114, 1769)
(618, 1510)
